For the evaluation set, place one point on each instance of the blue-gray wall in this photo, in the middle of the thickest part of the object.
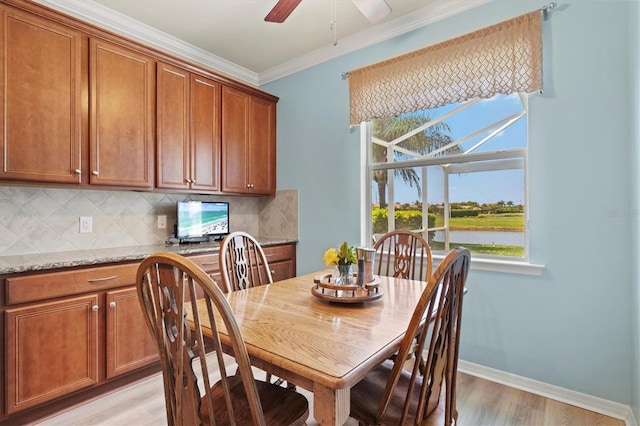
(634, 46)
(576, 326)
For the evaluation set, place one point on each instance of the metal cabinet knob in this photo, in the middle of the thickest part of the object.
(95, 308)
(112, 304)
(77, 171)
(95, 173)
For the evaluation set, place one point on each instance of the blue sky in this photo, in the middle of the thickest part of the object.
(485, 187)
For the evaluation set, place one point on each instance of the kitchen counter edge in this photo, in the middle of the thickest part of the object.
(69, 259)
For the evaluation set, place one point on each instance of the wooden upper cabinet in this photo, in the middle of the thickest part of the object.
(188, 114)
(82, 106)
(205, 134)
(248, 143)
(173, 127)
(122, 117)
(262, 146)
(41, 99)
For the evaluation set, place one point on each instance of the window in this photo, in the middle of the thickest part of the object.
(456, 174)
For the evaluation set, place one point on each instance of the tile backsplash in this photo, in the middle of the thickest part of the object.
(41, 220)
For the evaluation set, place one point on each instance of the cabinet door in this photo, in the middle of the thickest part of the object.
(282, 261)
(248, 143)
(262, 146)
(173, 128)
(51, 350)
(130, 344)
(205, 134)
(235, 136)
(122, 116)
(282, 270)
(41, 100)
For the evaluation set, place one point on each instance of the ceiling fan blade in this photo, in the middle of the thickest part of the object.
(374, 10)
(282, 10)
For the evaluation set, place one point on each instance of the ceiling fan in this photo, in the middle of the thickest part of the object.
(373, 10)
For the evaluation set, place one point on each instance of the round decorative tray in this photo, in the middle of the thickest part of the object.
(325, 289)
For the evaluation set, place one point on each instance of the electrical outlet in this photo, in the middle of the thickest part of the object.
(86, 224)
(162, 222)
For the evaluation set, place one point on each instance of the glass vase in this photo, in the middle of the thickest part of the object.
(342, 274)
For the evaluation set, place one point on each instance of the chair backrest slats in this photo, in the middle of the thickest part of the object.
(243, 263)
(403, 254)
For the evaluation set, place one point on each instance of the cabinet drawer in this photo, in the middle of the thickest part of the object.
(30, 288)
(276, 253)
(208, 262)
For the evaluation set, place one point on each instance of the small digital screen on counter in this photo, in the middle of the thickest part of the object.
(202, 220)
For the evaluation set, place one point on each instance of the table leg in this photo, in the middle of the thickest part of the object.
(331, 406)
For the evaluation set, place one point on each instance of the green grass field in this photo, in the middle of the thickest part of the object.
(485, 222)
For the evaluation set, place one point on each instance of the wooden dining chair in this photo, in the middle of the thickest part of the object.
(243, 263)
(392, 395)
(168, 286)
(404, 254)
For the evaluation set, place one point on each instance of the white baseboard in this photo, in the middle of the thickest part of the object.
(588, 402)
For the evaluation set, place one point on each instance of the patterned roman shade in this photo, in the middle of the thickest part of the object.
(503, 58)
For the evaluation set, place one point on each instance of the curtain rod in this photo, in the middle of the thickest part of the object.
(545, 15)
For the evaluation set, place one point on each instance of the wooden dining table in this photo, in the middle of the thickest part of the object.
(324, 347)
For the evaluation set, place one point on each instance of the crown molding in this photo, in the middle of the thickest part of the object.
(103, 17)
(437, 11)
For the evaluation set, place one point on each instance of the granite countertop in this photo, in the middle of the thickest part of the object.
(69, 259)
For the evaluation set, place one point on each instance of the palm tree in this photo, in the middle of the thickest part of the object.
(389, 129)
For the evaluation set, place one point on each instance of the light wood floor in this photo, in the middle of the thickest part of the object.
(480, 402)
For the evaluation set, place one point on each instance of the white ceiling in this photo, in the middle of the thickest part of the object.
(232, 37)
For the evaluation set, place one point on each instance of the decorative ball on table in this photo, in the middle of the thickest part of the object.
(342, 259)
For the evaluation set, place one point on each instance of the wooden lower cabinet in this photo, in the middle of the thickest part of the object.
(282, 261)
(281, 258)
(283, 270)
(57, 343)
(68, 335)
(129, 343)
(51, 350)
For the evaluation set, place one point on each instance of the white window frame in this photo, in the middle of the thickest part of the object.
(496, 264)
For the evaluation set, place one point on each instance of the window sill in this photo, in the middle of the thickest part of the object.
(499, 265)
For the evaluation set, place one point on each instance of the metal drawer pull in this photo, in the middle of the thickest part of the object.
(95, 280)
(209, 263)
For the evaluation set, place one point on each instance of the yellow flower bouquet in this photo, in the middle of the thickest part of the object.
(342, 259)
(345, 255)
